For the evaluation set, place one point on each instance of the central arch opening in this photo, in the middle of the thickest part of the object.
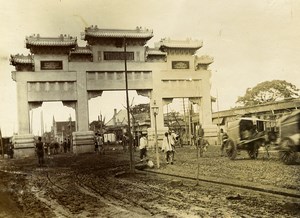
(108, 114)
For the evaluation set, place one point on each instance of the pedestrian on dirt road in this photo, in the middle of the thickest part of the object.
(96, 143)
(40, 151)
(143, 147)
(167, 148)
(61, 146)
(125, 141)
(68, 145)
(11, 151)
(65, 145)
(172, 138)
(56, 147)
(224, 138)
(99, 143)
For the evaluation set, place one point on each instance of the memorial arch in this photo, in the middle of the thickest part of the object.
(57, 69)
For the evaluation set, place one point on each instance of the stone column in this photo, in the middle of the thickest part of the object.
(210, 130)
(83, 139)
(23, 108)
(82, 103)
(24, 141)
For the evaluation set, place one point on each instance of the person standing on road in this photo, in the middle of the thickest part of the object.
(224, 138)
(96, 141)
(40, 151)
(125, 140)
(143, 147)
(172, 139)
(65, 145)
(101, 144)
(68, 145)
(167, 148)
(11, 150)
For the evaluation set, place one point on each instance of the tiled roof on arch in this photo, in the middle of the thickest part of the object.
(189, 43)
(151, 51)
(138, 33)
(21, 59)
(62, 40)
(204, 59)
(81, 50)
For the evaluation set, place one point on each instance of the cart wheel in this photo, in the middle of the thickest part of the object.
(253, 150)
(288, 155)
(230, 149)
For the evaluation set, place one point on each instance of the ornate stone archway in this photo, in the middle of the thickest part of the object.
(57, 69)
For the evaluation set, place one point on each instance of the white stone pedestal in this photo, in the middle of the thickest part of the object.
(83, 142)
(211, 134)
(24, 145)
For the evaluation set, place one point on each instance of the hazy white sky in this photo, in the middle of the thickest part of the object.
(251, 41)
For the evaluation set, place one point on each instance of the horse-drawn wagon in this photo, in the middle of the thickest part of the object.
(247, 134)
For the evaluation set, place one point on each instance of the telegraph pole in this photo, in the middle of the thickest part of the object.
(131, 165)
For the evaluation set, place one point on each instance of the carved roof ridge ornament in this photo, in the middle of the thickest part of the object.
(138, 33)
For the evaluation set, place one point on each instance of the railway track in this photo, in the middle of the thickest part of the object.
(238, 184)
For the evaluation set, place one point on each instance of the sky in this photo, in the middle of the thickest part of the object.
(250, 41)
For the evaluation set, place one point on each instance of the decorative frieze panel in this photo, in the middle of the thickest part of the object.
(39, 91)
(108, 80)
(182, 87)
(118, 75)
(51, 86)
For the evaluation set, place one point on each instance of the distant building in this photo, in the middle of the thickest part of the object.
(119, 122)
(98, 125)
(268, 111)
(62, 129)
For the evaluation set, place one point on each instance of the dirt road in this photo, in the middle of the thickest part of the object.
(91, 185)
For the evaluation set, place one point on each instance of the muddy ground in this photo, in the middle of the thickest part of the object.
(94, 185)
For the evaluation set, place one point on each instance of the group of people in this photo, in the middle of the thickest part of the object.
(168, 146)
(53, 148)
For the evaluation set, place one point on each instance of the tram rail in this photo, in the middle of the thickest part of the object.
(247, 186)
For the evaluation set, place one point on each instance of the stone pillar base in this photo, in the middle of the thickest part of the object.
(83, 142)
(24, 145)
(160, 136)
(211, 134)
